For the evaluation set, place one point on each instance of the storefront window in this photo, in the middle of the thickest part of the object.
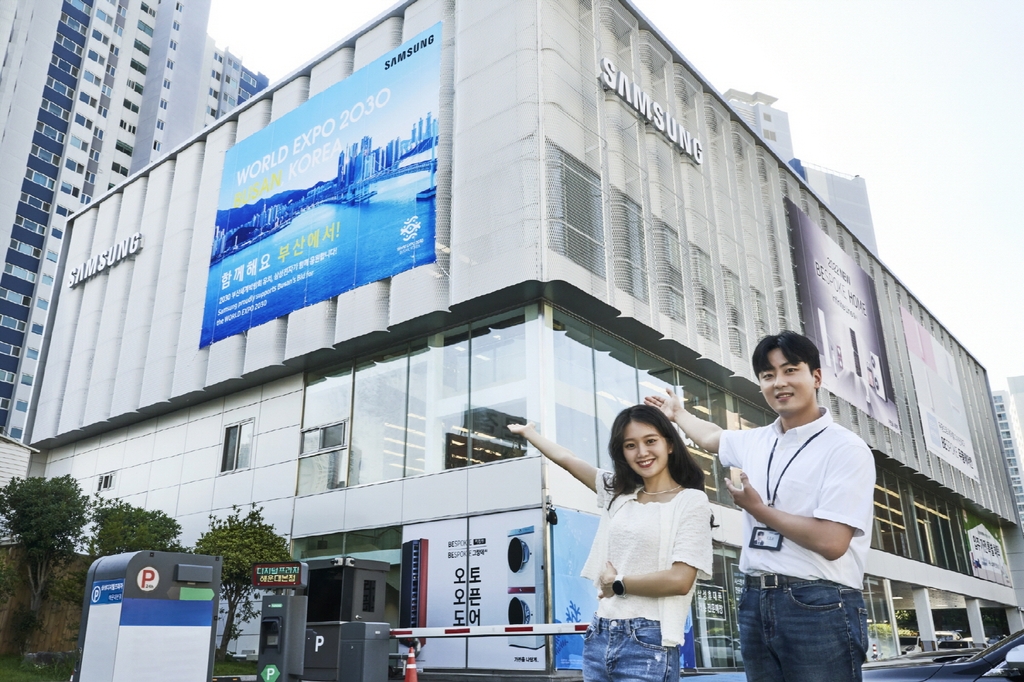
(438, 401)
(654, 376)
(328, 396)
(694, 394)
(715, 603)
(881, 643)
(498, 388)
(324, 471)
(615, 380)
(751, 417)
(890, 526)
(379, 420)
(323, 463)
(573, 365)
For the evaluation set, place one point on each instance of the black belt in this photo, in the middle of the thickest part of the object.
(771, 581)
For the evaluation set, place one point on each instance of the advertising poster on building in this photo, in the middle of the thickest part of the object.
(487, 570)
(987, 560)
(937, 384)
(506, 587)
(331, 196)
(840, 314)
(575, 597)
(446, 568)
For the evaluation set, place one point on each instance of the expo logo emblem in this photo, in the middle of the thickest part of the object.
(148, 579)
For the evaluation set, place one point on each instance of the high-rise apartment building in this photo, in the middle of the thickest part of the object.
(1009, 407)
(770, 123)
(845, 194)
(89, 89)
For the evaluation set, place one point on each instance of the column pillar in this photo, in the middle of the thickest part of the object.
(1014, 619)
(974, 619)
(925, 624)
(887, 586)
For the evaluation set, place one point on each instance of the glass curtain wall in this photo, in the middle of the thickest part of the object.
(437, 403)
(915, 524)
(596, 376)
(445, 401)
(881, 640)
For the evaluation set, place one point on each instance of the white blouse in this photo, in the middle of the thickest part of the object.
(644, 538)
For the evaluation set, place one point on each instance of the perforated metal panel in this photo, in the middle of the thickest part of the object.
(114, 314)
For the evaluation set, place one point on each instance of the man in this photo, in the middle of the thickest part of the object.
(807, 492)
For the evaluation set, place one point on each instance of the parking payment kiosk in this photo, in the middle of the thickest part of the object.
(148, 616)
(283, 621)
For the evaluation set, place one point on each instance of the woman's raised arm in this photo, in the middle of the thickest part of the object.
(582, 471)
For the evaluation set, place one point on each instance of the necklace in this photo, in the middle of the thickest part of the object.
(662, 492)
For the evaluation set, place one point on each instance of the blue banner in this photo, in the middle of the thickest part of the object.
(107, 591)
(575, 597)
(336, 194)
(166, 613)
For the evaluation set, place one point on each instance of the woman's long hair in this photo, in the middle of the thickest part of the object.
(681, 466)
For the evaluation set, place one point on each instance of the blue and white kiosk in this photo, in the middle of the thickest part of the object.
(149, 616)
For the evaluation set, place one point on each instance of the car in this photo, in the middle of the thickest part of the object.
(960, 665)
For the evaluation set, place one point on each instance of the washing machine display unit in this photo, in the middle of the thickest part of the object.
(525, 576)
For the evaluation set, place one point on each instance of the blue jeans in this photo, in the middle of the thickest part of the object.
(627, 651)
(810, 631)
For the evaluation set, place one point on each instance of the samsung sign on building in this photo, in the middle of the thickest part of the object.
(617, 81)
(105, 259)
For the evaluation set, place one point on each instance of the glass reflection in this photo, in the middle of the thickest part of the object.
(378, 420)
(575, 415)
(497, 388)
(438, 400)
(328, 396)
(322, 472)
(616, 382)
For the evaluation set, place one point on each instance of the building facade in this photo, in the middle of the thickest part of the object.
(85, 96)
(845, 195)
(331, 302)
(1009, 408)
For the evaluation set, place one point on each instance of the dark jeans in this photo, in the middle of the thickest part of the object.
(627, 650)
(808, 631)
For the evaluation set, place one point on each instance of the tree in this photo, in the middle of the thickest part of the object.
(117, 527)
(121, 527)
(240, 542)
(45, 517)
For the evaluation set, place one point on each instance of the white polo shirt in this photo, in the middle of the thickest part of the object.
(832, 478)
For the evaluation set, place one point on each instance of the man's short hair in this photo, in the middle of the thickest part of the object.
(795, 347)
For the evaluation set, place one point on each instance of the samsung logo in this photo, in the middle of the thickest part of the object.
(105, 259)
(655, 114)
(409, 52)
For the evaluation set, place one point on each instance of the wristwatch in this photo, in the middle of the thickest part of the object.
(619, 587)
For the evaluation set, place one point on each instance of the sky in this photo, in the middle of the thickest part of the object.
(922, 98)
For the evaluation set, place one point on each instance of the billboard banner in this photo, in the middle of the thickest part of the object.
(336, 194)
(840, 314)
(937, 385)
(987, 559)
(487, 570)
(446, 567)
(506, 573)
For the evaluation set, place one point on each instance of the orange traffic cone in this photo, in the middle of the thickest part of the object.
(410, 667)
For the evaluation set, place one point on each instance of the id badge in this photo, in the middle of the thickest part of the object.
(763, 537)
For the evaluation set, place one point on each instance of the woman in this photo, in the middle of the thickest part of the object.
(653, 542)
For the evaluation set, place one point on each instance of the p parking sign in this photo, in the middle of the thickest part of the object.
(270, 673)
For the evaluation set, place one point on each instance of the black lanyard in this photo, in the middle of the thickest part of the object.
(773, 495)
